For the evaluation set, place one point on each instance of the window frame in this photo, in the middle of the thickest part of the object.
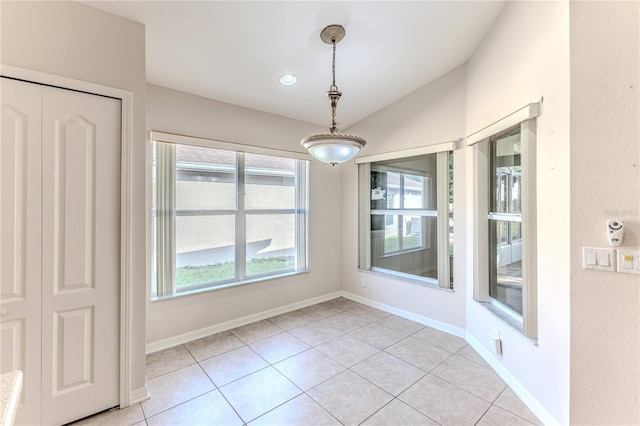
(526, 117)
(164, 238)
(442, 213)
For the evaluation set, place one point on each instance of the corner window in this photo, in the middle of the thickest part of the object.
(223, 217)
(406, 219)
(505, 217)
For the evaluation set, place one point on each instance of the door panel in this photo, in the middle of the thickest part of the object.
(20, 240)
(73, 349)
(81, 254)
(74, 146)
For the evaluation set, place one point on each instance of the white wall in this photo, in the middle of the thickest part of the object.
(433, 114)
(76, 41)
(526, 57)
(605, 184)
(177, 112)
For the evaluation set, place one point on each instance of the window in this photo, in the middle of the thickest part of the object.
(406, 219)
(505, 239)
(223, 217)
(505, 219)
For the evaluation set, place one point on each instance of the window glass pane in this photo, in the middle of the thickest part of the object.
(205, 249)
(516, 202)
(412, 232)
(392, 181)
(505, 270)
(391, 233)
(269, 182)
(516, 231)
(409, 248)
(413, 191)
(205, 178)
(404, 183)
(505, 242)
(505, 174)
(270, 243)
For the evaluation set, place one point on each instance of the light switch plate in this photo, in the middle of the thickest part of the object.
(604, 259)
(629, 262)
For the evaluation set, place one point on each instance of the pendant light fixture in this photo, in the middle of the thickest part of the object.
(333, 147)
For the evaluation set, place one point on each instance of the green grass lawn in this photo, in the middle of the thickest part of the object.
(409, 242)
(190, 275)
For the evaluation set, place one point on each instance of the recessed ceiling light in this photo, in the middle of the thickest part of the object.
(288, 79)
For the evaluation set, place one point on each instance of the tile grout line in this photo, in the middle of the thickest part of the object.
(315, 346)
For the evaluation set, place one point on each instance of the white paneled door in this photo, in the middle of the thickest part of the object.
(20, 241)
(61, 209)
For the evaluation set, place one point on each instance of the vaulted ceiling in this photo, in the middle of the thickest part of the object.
(236, 51)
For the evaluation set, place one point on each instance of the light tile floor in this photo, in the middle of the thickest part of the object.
(334, 363)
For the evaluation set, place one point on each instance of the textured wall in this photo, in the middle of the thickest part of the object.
(525, 58)
(605, 184)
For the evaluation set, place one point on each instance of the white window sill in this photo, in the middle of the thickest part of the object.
(507, 319)
(227, 285)
(414, 279)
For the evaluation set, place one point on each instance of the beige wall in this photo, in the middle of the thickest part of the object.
(177, 112)
(524, 58)
(79, 42)
(605, 184)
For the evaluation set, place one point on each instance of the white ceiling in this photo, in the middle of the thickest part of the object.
(235, 51)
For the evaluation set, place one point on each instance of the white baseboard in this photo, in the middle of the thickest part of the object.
(532, 403)
(231, 324)
(517, 388)
(447, 328)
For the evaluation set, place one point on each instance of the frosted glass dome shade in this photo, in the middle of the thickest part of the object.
(334, 148)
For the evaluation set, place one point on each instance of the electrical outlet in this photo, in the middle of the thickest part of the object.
(497, 342)
(363, 282)
(629, 262)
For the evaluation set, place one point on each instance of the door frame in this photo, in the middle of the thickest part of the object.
(126, 212)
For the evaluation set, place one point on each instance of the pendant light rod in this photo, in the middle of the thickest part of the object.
(333, 148)
(333, 34)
